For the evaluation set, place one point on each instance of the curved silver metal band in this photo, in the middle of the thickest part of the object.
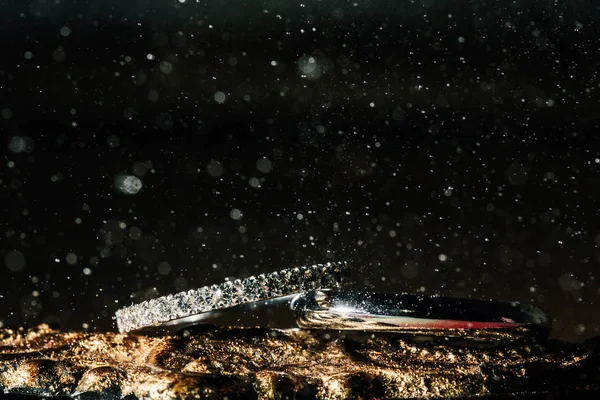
(347, 310)
(228, 294)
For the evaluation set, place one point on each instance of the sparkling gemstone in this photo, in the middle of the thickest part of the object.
(275, 284)
(263, 284)
(252, 290)
(143, 314)
(160, 309)
(204, 299)
(239, 291)
(182, 304)
(292, 279)
(215, 297)
(228, 297)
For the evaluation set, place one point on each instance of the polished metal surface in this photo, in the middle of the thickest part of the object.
(347, 310)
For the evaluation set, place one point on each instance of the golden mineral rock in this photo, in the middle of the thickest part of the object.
(244, 363)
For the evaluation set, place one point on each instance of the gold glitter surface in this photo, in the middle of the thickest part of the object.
(211, 362)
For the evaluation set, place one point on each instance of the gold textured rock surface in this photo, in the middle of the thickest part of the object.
(211, 362)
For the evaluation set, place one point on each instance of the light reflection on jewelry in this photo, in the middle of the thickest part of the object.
(347, 310)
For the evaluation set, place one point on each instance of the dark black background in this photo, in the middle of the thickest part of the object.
(467, 129)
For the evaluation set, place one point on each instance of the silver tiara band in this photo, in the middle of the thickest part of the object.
(228, 294)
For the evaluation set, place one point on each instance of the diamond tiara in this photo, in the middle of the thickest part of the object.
(230, 293)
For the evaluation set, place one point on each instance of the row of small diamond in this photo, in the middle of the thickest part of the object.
(229, 294)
